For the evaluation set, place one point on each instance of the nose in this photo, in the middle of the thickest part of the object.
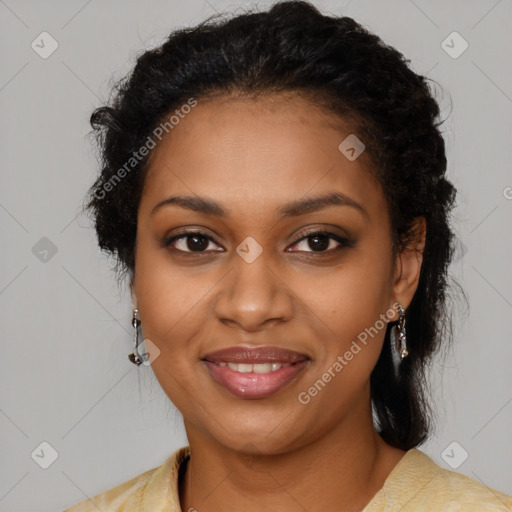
(252, 296)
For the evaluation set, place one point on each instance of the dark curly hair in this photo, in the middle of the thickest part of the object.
(351, 73)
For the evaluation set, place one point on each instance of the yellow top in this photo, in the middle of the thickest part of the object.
(416, 484)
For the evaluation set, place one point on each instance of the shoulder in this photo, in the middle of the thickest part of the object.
(142, 492)
(418, 484)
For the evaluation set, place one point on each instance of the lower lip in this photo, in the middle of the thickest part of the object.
(255, 385)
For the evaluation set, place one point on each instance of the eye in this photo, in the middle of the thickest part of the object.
(319, 242)
(322, 242)
(190, 241)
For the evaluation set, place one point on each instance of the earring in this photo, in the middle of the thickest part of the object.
(401, 340)
(134, 356)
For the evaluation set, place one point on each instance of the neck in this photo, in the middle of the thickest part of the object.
(347, 465)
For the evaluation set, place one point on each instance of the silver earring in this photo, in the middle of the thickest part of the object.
(401, 339)
(134, 356)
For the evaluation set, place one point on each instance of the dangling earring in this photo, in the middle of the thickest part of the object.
(134, 356)
(401, 340)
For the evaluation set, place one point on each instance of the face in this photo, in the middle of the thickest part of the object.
(250, 261)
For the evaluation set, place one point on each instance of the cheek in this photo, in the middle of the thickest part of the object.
(351, 305)
(172, 312)
(166, 295)
(351, 296)
(357, 325)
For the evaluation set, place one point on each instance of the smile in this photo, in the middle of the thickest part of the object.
(254, 373)
(255, 368)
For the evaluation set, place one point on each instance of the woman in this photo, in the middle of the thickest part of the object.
(274, 187)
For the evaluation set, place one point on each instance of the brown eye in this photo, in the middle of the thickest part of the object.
(321, 242)
(191, 241)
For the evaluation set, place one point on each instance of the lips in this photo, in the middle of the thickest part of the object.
(248, 355)
(255, 373)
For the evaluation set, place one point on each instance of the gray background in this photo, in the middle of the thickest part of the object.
(65, 327)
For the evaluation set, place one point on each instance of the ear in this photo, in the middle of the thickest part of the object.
(408, 264)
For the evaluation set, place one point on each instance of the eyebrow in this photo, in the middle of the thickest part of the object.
(292, 209)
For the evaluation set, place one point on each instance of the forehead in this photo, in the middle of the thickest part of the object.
(253, 153)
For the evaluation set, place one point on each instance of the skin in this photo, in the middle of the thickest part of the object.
(253, 156)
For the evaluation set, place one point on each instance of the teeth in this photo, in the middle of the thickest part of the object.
(264, 368)
(256, 368)
(242, 368)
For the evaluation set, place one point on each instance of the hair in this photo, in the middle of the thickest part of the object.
(338, 64)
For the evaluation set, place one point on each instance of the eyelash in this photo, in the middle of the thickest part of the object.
(344, 242)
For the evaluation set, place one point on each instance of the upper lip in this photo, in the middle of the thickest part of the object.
(255, 355)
